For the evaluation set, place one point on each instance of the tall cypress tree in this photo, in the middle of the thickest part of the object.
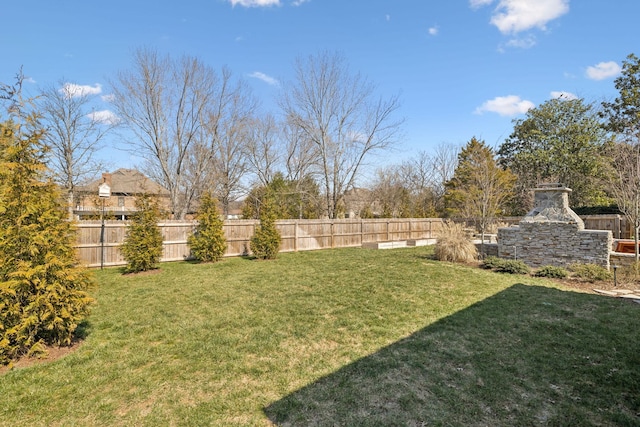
(43, 291)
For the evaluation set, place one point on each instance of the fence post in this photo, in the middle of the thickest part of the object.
(331, 228)
(295, 236)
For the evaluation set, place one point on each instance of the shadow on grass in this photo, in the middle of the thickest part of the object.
(529, 355)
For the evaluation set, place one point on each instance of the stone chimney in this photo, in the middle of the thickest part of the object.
(552, 205)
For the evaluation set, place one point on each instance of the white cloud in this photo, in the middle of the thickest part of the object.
(104, 116)
(433, 31)
(603, 70)
(479, 3)
(387, 17)
(568, 96)
(299, 2)
(514, 16)
(108, 98)
(265, 78)
(510, 105)
(255, 3)
(523, 42)
(72, 90)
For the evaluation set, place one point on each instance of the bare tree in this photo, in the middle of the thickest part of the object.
(229, 133)
(337, 112)
(74, 135)
(624, 183)
(392, 193)
(479, 188)
(166, 103)
(425, 176)
(264, 148)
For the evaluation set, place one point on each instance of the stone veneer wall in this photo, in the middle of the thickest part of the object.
(552, 234)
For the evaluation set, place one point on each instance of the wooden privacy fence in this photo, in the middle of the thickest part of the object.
(297, 235)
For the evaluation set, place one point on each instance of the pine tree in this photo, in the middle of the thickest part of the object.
(43, 291)
(208, 242)
(142, 246)
(265, 243)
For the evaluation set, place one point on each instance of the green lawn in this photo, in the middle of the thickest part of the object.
(346, 337)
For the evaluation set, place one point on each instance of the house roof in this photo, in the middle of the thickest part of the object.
(126, 181)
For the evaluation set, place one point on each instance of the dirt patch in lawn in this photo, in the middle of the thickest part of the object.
(53, 353)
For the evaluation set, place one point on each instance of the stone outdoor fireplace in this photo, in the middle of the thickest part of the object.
(553, 234)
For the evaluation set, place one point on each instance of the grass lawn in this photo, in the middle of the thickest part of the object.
(346, 337)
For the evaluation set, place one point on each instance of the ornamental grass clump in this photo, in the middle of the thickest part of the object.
(454, 245)
(208, 242)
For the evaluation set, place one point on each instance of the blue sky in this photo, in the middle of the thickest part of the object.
(463, 68)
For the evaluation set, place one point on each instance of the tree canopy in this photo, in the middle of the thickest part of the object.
(561, 140)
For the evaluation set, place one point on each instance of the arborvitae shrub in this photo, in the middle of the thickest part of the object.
(265, 243)
(552, 271)
(43, 291)
(590, 272)
(208, 243)
(453, 244)
(142, 246)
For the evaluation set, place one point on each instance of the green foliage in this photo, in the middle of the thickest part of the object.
(453, 244)
(142, 246)
(502, 265)
(590, 272)
(561, 140)
(265, 243)
(208, 242)
(479, 189)
(622, 113)
(552, 271)
(291, 199)
(513, 266)
(623, 119)
(492, 262)
(43, 291)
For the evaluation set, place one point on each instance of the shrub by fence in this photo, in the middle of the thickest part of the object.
(297, 235)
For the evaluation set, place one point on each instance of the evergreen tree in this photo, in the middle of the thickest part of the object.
(561, 140)
(142, 246)
(43, 291)
(291, 199)
(265, 243)
(479, 189)
(208, 242)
